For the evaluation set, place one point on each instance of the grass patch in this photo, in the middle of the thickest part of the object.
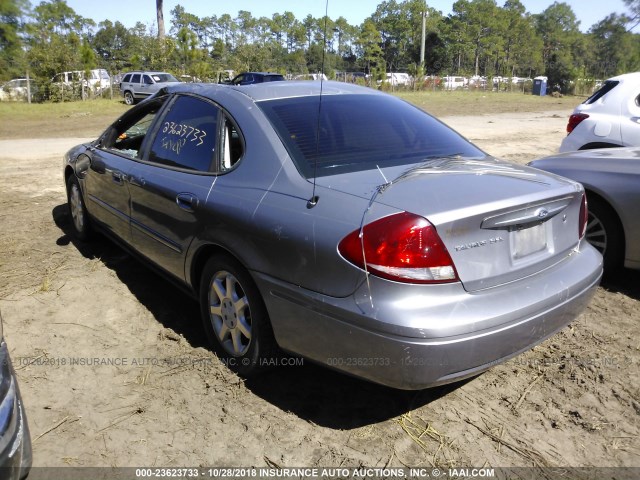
(48, 120)
(89, 119)
(448, 103)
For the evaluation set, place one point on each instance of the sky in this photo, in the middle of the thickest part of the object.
(128, 12)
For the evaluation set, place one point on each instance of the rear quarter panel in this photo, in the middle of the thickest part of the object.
(616, 180)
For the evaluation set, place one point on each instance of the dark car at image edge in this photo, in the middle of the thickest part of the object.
(338, 223)
(15, 439)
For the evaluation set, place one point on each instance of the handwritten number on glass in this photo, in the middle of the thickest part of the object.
(185, 131)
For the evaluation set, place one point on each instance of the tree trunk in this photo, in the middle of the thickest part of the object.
(160, 15)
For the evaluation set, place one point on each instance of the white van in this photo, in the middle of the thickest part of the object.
(97, 79)
(454, 83)
(397, 78)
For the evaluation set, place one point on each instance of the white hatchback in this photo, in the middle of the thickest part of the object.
(608, 118)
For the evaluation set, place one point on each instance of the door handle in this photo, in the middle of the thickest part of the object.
(187, 201)
(137, 182)
(118, 177)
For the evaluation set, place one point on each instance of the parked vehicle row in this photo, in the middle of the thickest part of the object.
(78, 84)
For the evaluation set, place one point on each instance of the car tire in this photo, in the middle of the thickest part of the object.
(80, 223)
(128, 98)
(235, 318)
(605, 233)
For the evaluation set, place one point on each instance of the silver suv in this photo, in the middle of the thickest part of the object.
(139, 85)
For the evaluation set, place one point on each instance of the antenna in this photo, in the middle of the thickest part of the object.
(313, 201)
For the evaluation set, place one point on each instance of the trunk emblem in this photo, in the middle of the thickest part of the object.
(481, 243)
(525, 217)
(542, 213)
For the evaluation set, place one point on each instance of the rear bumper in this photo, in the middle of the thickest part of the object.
(15, 440)
(413, 337)
(571, 143)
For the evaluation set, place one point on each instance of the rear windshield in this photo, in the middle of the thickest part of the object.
(360, 132)
(602, 91)
(164, 77)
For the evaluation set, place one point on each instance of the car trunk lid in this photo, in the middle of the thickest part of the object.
(500, 222)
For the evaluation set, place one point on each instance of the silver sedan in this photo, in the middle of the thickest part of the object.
(340, 224)
(611, 178)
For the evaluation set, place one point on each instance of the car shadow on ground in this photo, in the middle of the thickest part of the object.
(625, 281)
(334, 400)
(172, 307)
(312, 392)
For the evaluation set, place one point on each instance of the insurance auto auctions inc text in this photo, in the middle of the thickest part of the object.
(351, 473)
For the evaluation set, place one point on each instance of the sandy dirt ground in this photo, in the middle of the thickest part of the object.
(114, 368)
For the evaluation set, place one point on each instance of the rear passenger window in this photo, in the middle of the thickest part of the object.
(602, 91)
(187, 135)
(231, 145)
(135, 78)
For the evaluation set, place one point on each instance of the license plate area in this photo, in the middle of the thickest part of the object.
(528, 241)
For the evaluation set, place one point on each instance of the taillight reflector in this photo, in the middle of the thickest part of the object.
(584, 217)
(403, 247)
(574, 121)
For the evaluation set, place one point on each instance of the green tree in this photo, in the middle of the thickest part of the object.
(246, 25)
(58, 18)
(371, 54)
(395, 24)
(478, 31)
(633, 20)
(612, 44)
(11, 26)
(522, 45)
(55, 39)
(562, 41)
(113, 44)
(187, 48)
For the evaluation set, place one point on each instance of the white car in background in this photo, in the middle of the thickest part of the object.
(16, 89)
(97, 79)
(398, 78)
(608, 118)
(454, 83)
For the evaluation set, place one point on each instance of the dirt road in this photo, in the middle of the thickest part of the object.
(114, 370)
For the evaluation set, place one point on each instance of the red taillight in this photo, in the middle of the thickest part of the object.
(403, 247)
(584, 217)
(574, 121)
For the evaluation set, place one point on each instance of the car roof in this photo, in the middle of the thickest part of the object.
(625, 77)
(148, 72)
(259, 73)
(275, 90)
(604, 154)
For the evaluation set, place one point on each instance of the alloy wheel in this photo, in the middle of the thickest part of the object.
(230, 313)
(596, 234)
(77, 209)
